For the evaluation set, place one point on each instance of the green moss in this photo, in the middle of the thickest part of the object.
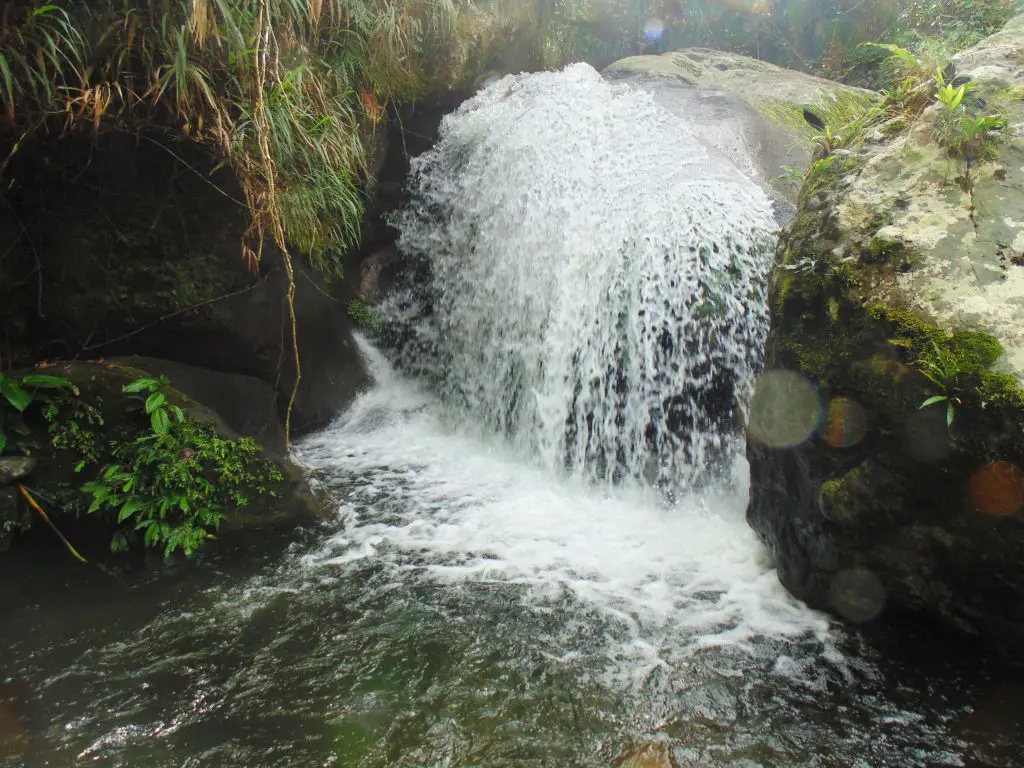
(976, 351)
(833, 310)
(1001, 389)
(843, 272)
(910, 330)
(811, 359)
(881, 250)
(895, 127)
(831, 487)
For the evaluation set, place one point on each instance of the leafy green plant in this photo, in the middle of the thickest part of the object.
(965, 135)
(156, 403)
(174, 483)
(71, 424)
(16, 395)
(39, 49)
(941, 368)
(363, 314)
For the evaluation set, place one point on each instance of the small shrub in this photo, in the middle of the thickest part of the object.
(71, 424)
(362, 314)
(966, 136)
(174, 483)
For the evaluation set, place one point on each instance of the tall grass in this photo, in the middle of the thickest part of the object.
(316, 76)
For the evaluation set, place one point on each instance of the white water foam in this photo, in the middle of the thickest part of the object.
(596, 279)
(433, 501)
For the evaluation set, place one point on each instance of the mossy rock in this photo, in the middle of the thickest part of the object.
(895, 291)
(66, 461)
(766, 101)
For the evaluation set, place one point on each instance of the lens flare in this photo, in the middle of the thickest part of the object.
(785, 410)
(845, 423)
(997, 489)
(654, 29)
(857, 595)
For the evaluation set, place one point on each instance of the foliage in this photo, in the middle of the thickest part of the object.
(941, 368)
(72, 424)
(930, 30)
(173, 483)
(16, 395)
(966, 135)
(362, 314)
(287, 92)
(41, 48)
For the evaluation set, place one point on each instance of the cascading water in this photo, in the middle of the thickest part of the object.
(596, 277)
(469, 607)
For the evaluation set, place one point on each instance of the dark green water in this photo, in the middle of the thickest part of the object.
(457, 616)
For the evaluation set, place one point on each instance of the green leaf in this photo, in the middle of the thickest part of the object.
(139, 385)
(178, 414)
(933, 400)
(949, 414)
(80, 466)
(15, 395)
(132, 506)
(3, 441)
(46, 382)
(154, 401)
(161, 424)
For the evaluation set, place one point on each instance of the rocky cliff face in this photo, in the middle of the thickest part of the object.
(887, 437)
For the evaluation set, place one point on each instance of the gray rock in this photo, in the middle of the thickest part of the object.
(246, 405)
(13, 468)
(249, 334)
(748, 110)
(897, 254)
(377, 273)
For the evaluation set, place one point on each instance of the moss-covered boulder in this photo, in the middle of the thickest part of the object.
(887, 435)
(748, 109)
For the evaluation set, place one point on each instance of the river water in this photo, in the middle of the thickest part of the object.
(539, 556)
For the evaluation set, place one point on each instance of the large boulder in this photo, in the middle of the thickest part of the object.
(749, 110)
(249, 333)
(887, 436)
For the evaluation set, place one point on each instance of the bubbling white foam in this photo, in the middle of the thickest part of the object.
(434, 502)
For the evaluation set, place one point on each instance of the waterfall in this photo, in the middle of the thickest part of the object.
(592, 278)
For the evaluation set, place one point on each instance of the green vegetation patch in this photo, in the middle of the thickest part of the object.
(131, 457)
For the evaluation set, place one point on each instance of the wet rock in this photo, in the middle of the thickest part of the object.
(13, 468)
(246, 405)
(896, 304)
(10, 517)
(750, 111)
(377, 273)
